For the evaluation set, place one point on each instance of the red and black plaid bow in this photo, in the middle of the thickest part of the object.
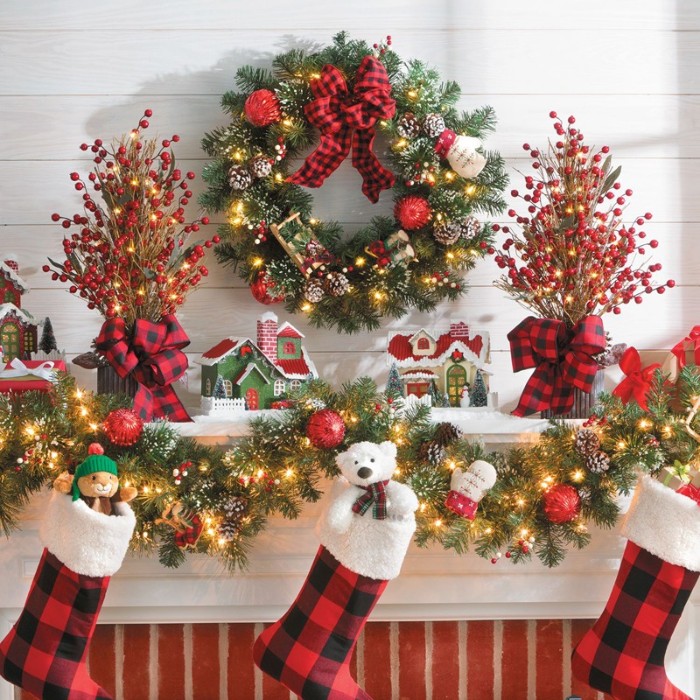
(190, 532)
(153, 355)
(347, 120)
(562, 358)
(638, 379)
(374, 494)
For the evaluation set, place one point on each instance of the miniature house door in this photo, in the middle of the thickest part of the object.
(456, 379)
(252, 399)
(9, 339)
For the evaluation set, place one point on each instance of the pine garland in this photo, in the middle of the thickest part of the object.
(375, 290)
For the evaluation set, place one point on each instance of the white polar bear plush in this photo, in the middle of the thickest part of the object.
(369, 519)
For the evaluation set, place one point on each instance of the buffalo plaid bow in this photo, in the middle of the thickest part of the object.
(562, 358)
(153, 354)
(374, 494)
(189, 532)
(638, 379)
(347, 120)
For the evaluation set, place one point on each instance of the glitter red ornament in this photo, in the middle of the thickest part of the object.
(123, 427)
(262, 108)
(262, 287)
(325, 429)
(562, 503)
(412, 212)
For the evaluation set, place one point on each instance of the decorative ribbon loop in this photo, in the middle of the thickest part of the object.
(153, 355)
(347, 120)
(637, 381)
(375, 495)
(46, 370)
(562, 359)
(691, 340)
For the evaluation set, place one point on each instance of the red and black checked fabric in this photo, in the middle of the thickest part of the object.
(348, 120)
(562, 358)
(623, 654)
(309, 649)
(375, 497)
(45, 652)
(153, 354)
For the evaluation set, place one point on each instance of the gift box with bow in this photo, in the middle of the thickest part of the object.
(29, 375)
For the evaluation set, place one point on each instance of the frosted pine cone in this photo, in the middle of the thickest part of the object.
(235, 510)
(408, 126)
(313, 291)
(598, 463)
(586, 442)
(260, 166)
(470, 227)
(447, 433)
(435, 453)
(434, 125)
(338, 284)
(447, 233)
(239, 178)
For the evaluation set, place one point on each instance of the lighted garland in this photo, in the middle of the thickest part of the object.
(201, 499)
(414, 260)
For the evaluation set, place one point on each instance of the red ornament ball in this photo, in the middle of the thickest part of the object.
(123, 427)
(412, 212)
(262, 108)
(325, 429)
(263, 290)
(561, 503)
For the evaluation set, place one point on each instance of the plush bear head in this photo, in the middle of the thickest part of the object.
(366, 463)
(96, 477)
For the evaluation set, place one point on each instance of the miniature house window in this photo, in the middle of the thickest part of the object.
(416, 388)
(279, 387)
(9, 297)
(423, 344)
(228, 388)
(289, 348)
(295, 384)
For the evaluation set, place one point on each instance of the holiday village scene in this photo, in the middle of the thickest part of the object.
(335, 333)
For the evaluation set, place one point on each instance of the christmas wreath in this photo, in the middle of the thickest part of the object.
(349, 93)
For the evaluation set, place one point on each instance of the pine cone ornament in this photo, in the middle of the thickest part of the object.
(412, 212)
(586, 442)
(434, 125)
(260, 166)
(239, 178)
(235, 510)
(447, 233)
(447, 433)
(338, 284)
(470, 227)
(262, 108)
(313, 291)
(598, 463)
(435, 453)
(408, 126)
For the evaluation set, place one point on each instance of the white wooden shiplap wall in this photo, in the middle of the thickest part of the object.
(74, 71)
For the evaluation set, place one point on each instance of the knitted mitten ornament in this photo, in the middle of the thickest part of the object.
(623, 654)
(44, 653)
(364, 531)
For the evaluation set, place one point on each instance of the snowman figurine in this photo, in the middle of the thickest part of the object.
(468, 487)
(464, 398)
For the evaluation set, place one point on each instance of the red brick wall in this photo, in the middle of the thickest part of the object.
(480, 660)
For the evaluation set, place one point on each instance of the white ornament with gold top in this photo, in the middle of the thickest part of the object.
(460, 152)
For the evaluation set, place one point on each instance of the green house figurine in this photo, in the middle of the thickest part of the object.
(18, 328)
(239, 374)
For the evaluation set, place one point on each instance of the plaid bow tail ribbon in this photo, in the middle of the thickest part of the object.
(691, 340)
(562, 360)
(638, 379)
(153, 355)
(375, 495)
(348, 120)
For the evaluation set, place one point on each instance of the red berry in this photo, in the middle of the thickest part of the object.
(148, 113)
(553, 114)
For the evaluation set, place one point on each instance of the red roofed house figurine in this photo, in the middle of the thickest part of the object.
(18, 328)
(240, 374)
(448, 363)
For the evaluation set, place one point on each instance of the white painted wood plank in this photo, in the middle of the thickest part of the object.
(640, 126)
(388, 16)
(172, 62)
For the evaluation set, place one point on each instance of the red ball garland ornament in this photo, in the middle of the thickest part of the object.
(262, 108)
(562, 503)
(263, 289)
(325, 429)
(123, 427)
(412, 212)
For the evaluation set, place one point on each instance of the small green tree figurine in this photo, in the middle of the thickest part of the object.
(47, 344)
(219, 389)
(394, 385)
(478, 396)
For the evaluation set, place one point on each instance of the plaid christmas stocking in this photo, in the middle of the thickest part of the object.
(309, 649)
(623, 654)
(45, 652)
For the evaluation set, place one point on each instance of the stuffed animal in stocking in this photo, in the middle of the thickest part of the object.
(365, 531)
(623, 654)
(45, 652)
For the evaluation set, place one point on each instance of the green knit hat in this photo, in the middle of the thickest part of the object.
(96, 461)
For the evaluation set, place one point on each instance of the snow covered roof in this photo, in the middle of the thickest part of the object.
(10, 274)
(400, 349)
(419, 374)
(9, 309)
(287, 330)
(298, 369)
